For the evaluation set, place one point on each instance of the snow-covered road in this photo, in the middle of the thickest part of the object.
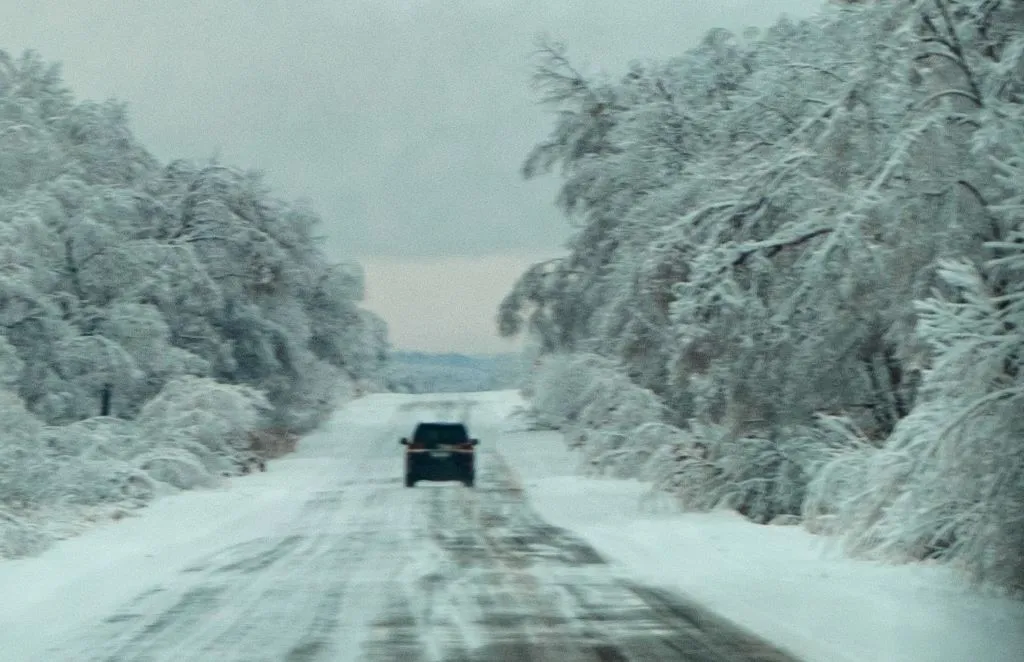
(329, 557)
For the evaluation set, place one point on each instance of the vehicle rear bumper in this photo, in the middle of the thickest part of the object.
(457, 466)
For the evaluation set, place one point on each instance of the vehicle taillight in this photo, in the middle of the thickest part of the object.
(416, 447)
(464, 447)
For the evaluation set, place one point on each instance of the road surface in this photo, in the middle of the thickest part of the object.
(366, 569)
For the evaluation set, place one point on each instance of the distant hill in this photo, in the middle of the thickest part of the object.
(422, 372)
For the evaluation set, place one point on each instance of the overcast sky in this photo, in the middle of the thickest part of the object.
(403, 122)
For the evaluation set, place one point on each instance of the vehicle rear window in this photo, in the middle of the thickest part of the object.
(434, 434)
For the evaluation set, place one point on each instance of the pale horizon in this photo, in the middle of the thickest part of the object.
(418, 296)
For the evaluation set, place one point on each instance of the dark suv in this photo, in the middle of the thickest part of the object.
(440, 451)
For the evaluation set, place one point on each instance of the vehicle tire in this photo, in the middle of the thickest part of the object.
(468, 480)
(410, 481)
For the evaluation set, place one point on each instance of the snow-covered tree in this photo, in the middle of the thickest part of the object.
(801, 240)
(151, 315)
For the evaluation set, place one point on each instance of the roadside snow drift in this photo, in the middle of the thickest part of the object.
(782, 582)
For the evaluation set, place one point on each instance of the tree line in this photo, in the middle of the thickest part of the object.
(152, 315)
(796, 281)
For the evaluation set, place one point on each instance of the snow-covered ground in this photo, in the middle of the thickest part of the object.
(783, 583)
(71, 584)
(327, 556)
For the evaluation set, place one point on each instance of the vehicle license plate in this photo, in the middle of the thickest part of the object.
(439, 453)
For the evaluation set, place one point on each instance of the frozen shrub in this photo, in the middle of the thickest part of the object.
(681, 467)
(177, 468)
(616, 412)
(616, 423)
(305, 405)
(949, 482)
(204, 417)
(561, 384)
(269, 443)
(91, 482)
(20, 537)
(841, 479)
(764, 477)
(10, 364)
(99, 438)
(104, 460)
(26, 470)
(709, 466)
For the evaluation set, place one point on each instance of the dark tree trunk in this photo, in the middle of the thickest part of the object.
(105, 400)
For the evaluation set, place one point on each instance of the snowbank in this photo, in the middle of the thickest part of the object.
(782, 582)
(108, 565)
